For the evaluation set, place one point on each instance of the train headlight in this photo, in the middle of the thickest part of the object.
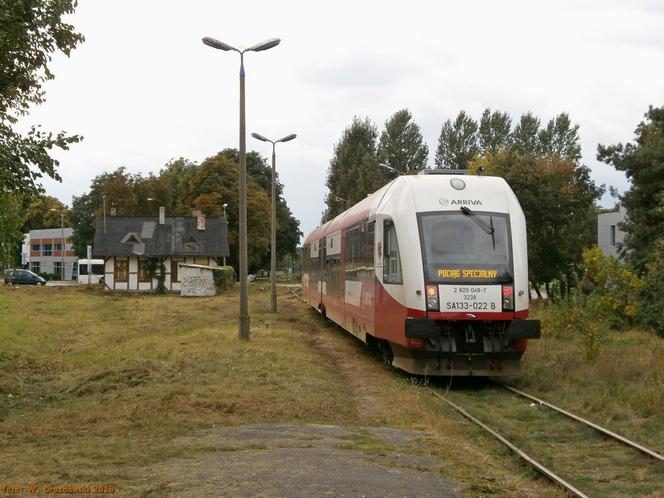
(508, 298)
(432, 298)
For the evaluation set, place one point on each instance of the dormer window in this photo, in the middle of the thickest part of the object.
(131, 238)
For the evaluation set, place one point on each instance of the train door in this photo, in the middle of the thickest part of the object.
(321, 274)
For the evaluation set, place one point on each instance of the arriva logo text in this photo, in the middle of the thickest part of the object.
(460, 202)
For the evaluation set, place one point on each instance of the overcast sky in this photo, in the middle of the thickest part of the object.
(143, 89)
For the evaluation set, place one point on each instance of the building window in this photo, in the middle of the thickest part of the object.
(57, 247)
(143, 272)
(391, 260)
(36, 247)
(35, 267)
(57, 268)
(613, 235)
(201, 260)
(175, 277)
(121, 270)
(48, 250)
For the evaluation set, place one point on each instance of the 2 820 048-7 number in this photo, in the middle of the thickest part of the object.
(465, 305)
(464, 290)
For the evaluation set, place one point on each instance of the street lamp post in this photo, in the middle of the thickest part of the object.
(243, 331)
(273, 245)
(62, 242)
(226, 220)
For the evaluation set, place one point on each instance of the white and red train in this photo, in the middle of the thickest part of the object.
(433, 270)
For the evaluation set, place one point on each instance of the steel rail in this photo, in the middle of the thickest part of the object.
(599, 428)
(535, 464)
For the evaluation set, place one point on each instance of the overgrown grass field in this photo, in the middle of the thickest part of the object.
(99, 387)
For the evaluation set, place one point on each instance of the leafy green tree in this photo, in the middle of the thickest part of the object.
(457, 144)
(11, 221)
(44, 212)
(401, 144)
(560, 139)
(643, 163)
(557, 197)
(354, 170)
(32, 31)
(525, 137)
(494, 132)
(118, 187)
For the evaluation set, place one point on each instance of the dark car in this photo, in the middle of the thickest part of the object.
(23, 277)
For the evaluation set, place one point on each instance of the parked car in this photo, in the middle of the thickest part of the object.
(23, 277)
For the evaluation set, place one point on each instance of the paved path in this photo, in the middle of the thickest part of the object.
(304, 461)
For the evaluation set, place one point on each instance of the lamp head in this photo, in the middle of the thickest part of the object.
(211, 42)
(267, 44)
(259, 137)
(287, 138)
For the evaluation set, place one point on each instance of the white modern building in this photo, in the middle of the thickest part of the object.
(609, 234)
(44, 251)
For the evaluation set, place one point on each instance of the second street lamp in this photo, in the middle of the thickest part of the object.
(243, 328)
(273, 246)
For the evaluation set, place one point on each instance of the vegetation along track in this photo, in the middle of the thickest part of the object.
(592, 459)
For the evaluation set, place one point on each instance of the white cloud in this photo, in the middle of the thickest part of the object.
(143, 88)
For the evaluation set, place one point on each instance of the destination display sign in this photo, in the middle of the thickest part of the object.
(470, 298)
(479, 273)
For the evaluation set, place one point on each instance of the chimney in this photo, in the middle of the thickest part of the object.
(114, 211)
(200, 222)
(162, 215)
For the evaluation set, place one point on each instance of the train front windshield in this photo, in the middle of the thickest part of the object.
(466, 246)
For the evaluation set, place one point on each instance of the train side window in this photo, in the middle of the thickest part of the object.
(391, 260)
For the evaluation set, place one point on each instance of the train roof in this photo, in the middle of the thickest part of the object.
(427, 193)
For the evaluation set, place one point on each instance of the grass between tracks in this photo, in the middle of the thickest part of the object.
(622, 389)
(100, 388)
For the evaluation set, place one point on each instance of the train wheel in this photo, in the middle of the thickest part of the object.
(386, 353)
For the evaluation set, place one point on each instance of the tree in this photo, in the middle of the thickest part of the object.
(457, 144)
(494, 132)
(525, 139)
(288, 227)
(401, 144)
(643, 163)
(354, 170)
(44, 212)
(118, 187)
(560, 139)
(10, 227)
(32, 30)
(557, 197)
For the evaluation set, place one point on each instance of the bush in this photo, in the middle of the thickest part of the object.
(611, 289)
(224, 278)
(652, 292)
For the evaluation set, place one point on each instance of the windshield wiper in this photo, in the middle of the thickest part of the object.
(488, 228)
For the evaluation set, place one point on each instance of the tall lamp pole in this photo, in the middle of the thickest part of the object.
(226, 220)
(62, 242)
(273, 245)
(243, 331)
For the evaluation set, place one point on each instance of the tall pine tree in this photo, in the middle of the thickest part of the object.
(401, 144)
(354, 170)
(457, 144)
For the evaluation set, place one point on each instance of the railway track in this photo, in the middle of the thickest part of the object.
(652, 464)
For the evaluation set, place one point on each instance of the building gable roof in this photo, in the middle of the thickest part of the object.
(144, 236)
